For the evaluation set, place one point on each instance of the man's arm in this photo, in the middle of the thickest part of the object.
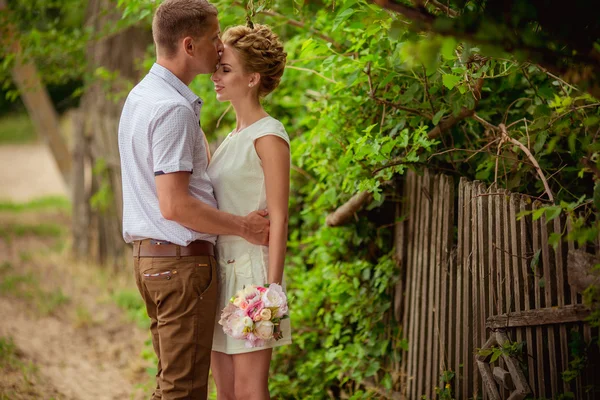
(176, 204)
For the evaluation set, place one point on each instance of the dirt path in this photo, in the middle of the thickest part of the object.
(72, 341)
(77, 364)
(27, 172)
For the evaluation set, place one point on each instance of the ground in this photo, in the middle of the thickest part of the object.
(68, 330)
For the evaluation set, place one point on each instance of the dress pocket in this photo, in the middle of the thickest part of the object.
(240, 265)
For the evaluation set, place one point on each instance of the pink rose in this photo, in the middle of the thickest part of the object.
(255, 309)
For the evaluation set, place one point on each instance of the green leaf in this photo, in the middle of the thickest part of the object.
(554, 239)
(448, 47)
(372, 368)
(438, 115)
(496, 354)
(485, 352)
(591, 121)
(552, 212)
(396, 30)
(537, 214)
(343, 16)
(535, 260)
(450, 81)
(542, 283)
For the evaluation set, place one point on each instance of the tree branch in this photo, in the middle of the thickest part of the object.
(418, 15)
(395, 106)
(303, 26)
(312, 71)
(450, 12)
(347, 210)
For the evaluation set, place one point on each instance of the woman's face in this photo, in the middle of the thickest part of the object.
(231, 81)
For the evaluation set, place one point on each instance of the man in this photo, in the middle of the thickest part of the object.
(170, 210)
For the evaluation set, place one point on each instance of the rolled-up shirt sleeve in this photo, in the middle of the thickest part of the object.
(173, 139)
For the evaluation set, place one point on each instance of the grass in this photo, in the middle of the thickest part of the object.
(131, 302)
(43, 230)
(49, 203)
(83, 318)
(17, 129)
(25, 286)
(24, 373)
(8, 352)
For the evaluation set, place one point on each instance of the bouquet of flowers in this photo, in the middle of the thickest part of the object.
(254, 314)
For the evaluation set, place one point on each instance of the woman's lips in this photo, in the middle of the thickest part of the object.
(218, 88)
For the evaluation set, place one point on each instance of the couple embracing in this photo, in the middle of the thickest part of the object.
(205, 227)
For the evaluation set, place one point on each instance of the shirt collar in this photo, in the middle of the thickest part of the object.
(174, 81)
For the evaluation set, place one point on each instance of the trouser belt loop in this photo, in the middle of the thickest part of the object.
(137, 246)
(178, 251)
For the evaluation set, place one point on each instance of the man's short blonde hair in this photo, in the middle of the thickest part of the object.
(176, 19)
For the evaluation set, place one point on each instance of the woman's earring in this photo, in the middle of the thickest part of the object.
(250, 84)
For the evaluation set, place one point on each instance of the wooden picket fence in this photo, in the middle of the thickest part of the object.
(500, 282)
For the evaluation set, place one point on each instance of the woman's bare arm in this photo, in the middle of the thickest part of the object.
(274, 153)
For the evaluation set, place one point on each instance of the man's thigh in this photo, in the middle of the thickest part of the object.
(185, 294)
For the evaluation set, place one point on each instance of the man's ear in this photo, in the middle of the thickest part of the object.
(188, 45)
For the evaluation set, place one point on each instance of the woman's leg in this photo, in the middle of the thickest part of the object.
(222, 372)
(252, 375)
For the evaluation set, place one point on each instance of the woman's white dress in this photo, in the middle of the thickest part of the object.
(238, 180)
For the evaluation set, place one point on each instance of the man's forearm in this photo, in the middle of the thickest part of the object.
(196, 215)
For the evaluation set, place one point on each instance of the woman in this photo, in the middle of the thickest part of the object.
(249, 171)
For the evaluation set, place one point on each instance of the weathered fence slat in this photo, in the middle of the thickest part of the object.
(411, 260)
(503, 279)
(539, 316)
(482, 254)
(424, 270)
(514, 251)
(430, 310)
(466, 267)
(438, 217)
(539, 353)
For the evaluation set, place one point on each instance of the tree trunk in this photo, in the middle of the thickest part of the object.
(97, 145)
(36, 99)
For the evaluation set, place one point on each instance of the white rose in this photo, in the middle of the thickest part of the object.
(247, 321)
(274, 296)
(264, 330)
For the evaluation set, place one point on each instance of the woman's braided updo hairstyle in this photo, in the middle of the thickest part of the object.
(260, 51)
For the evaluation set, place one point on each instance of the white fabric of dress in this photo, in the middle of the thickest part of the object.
(239, 184)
